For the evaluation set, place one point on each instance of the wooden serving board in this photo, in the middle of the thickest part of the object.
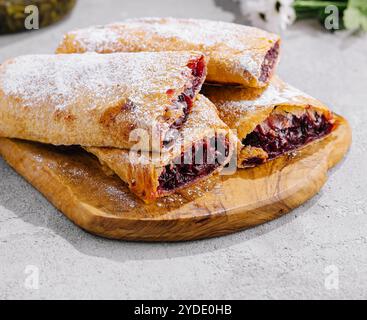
(74, 182)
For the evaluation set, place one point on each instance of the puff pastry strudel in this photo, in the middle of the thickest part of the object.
(205, 145)
(95, 99)
(270, 122)
(239, 55)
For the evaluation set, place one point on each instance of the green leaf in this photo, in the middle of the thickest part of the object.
(355, 17)
(315, 9)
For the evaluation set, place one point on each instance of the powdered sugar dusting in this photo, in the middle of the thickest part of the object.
(250, 61)
(98, 38)
(274, 94)
(203, 115)
(59, 80)
(237, 49)
(145, 33)
(201, 32)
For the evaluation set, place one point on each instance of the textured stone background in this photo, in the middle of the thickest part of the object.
(286, 258)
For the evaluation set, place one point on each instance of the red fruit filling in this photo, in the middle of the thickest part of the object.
(282, 133)
(187, 97)
(198, 71)
(269, 63)
(204, 158)
(186, 102)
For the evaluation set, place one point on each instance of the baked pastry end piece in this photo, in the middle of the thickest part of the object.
(269, 64)
(203, 146)
(151, 176)
(272, 121)
(198, 66)
(282, 132)
(204, 158)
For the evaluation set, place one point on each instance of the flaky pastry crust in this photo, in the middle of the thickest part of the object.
(95, 99)
(142, 170)
(239, 55)
(245, 109)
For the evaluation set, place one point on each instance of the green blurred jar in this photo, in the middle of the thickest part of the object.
(12, 13)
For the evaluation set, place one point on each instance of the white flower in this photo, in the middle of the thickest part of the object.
(272, 15)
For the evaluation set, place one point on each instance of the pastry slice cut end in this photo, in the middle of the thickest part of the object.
(202, 147)
(203, 159)
(185, 100)
(272, 121)
(151, 176)
(286, 129)
(269, 64)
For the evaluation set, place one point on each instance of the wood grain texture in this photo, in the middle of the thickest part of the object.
(74, 182)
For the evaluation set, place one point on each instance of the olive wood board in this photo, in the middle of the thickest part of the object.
(75, 183)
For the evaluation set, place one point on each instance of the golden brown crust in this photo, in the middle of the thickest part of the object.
(237, 53)
(93, 99)
(142, 170)
(242, 109)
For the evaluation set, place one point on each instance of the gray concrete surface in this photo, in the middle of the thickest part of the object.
(317, 251)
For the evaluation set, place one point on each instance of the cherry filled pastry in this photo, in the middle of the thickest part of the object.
(270, 122)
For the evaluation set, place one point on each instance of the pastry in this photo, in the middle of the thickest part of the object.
(270, 122)
(98, 100)
(239, 55)
(204, 146)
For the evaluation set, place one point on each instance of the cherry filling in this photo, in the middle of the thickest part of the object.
(203, 158)
(198, 71)
(269, 63)
(281, 133)
(185, 100)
